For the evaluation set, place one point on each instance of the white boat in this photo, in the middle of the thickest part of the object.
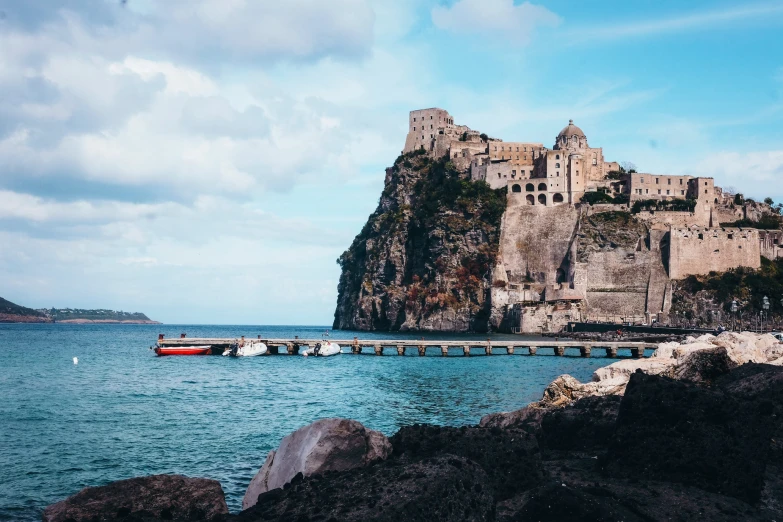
(248, 349)
(323, 349)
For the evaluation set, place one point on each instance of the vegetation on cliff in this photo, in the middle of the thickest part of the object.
(707, 299)
(423, 260)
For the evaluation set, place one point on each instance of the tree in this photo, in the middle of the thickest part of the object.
(739, 199)
(483, 137)
(769, 201)
(628, 166)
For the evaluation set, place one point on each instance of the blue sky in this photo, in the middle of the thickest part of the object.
(206, 161)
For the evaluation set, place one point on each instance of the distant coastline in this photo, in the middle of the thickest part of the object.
(14, 313)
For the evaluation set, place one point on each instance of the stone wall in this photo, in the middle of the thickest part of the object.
(518, 153)
(544, 317)
(699, 251)
(699, 217)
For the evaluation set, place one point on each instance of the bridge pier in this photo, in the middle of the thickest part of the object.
(466, 351)
(291, 349)
(532, 350)
(584, 351)
(488, 348)
(559, 351)
(637, 352)
(356, 348)
(611, 351)
(510, 350)
(444, 351)
(401, 350)
(422, 350)
(378, 349)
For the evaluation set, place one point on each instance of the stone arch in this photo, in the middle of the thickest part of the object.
(530, 199)
(557, 198)
(542, 186)
(516, 188)
(542, 199)
(530, 187)
(716, 201)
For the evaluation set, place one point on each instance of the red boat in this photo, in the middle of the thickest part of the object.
(182, 350)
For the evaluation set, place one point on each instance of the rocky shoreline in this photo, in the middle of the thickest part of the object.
(693, 433)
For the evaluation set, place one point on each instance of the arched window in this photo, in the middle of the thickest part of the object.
(542, 199)
(542, 186)
(557, 156)
(557, 165)
(530, 187)
(530, 199)
(557, 198)
(516, 188)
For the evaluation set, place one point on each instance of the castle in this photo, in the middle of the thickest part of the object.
(547, 273)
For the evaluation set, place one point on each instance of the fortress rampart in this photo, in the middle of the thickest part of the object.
(699, 251)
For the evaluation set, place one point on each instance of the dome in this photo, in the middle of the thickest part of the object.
(571, 130)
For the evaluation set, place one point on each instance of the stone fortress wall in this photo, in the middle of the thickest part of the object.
(544, 284)
(699, 251)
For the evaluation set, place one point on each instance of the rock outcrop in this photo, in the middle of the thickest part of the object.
(425, 257)
(325, 445)
(157, 497)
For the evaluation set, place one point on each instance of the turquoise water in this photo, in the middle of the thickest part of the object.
(122, 412)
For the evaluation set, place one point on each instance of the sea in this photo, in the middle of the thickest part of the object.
(122, 412)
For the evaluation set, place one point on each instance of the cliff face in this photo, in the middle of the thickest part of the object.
(424, 259)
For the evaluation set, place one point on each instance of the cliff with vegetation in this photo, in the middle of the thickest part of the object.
(706, 300)
(424, 259)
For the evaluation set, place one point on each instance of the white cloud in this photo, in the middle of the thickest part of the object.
(495, 18)
(754, 172)
(616, 29)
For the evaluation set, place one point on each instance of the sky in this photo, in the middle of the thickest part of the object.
(207, 161)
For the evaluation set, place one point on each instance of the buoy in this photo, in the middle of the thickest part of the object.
(75, 360)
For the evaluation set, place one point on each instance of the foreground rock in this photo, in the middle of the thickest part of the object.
(157, 497)
(665, 450)
(325, 445)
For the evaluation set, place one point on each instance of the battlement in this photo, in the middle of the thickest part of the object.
(699, 251)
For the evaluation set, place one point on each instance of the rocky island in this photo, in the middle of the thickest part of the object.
(13, 313)
(476, 234)
(693, 433)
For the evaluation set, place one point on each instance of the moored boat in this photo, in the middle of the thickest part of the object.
(323, 349)
(182, 350)
(249, 349)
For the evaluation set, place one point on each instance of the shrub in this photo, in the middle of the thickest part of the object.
(592, 198)
(483, 137)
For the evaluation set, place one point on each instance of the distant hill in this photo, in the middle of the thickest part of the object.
(14, 313)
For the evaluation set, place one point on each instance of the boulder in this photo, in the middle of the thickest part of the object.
(665, 350)
(744, 347)
(324, 445)
(704, 366)
(164, 497)
(527, 418)
(444, 487)
(624, 368)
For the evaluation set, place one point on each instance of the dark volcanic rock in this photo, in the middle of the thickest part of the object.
(676, 431)
(440, 488)
(558, 502)
(510, 457)
(157, 497)
(528, 418)
(587, 423)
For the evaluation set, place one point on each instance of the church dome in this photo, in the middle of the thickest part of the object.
(571, 130)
